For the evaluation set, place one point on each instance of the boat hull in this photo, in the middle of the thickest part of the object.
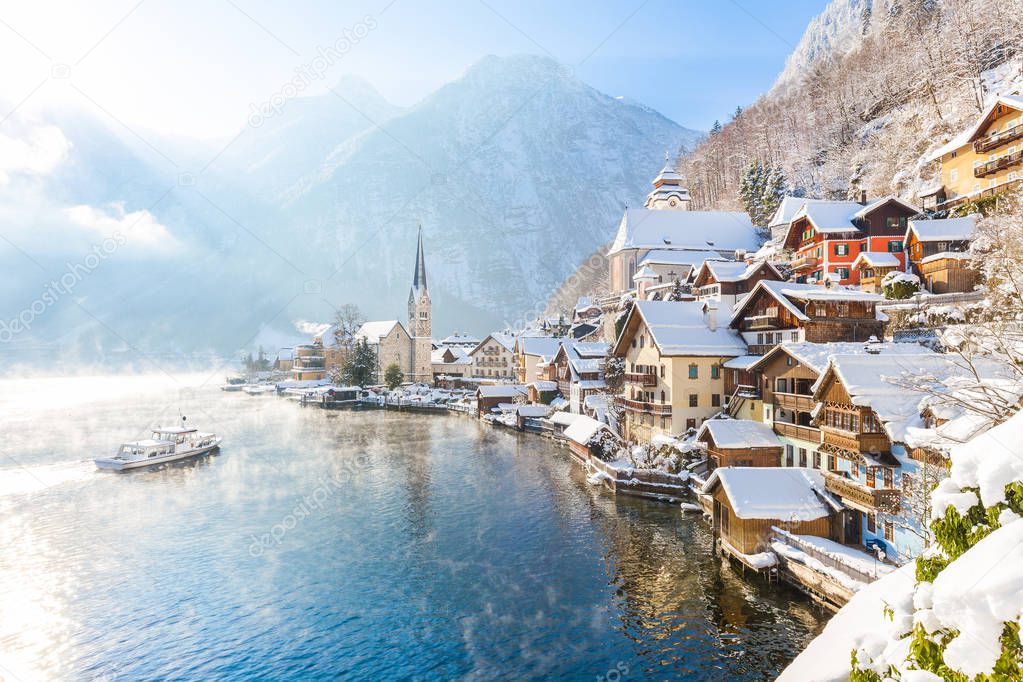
(111, 464)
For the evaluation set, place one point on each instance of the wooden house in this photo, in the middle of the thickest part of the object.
(749, 501)
(827, 236)
(871, 268)
(739, 443)
(939, 255)
(785, 311)
(578, 369)
(489, 397)
(727, 281)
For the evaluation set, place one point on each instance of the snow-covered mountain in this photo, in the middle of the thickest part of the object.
(517, 171)
(836, 30)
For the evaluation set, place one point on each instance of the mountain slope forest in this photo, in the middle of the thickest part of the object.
(872, 87)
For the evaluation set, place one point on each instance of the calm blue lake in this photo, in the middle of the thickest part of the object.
(348, 545)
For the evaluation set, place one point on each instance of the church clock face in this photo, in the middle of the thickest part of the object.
(672, 202)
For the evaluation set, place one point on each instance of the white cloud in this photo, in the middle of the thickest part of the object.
(140, 228)
(37, 153)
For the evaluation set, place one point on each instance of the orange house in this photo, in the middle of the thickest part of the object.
(828, 236)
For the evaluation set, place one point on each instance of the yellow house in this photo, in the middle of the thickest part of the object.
(982, 160)
(674, 379)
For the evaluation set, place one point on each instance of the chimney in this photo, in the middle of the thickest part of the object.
(711, 315)
(740, 254)
(863, 197)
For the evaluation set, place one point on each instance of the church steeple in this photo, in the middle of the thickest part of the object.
(420, 324)
(419, 276)
(669, 191)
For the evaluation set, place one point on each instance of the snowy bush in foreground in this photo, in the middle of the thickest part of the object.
(961, 621)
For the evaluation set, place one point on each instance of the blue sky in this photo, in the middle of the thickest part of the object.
(194, 67)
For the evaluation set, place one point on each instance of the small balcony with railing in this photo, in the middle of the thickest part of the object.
(647, 379)
(769, 319)
(986, 144)
(862, 496)
(999, 164)
(804, 263)
(796, 402)
(660, 409)
(797, 431)
(855, 442)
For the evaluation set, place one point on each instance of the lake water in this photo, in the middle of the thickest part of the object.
(353, 545)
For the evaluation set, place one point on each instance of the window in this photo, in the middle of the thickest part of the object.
(843, 273)
(895, 247)
(694, 372)
(889, 531)
(816, 460)
(662, 396)
(694, 400)
(802, 457)
(789, 360)
(715, 400)
(841, 249)
(690, 424)
(789, 456)
(953, 175)
(895, 221)
(642, 339)
(715, 372)
(831, 462)
(871, 480)
(662, 371)
(760, 339)
(871, 523)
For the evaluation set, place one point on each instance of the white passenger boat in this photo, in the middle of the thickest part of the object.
(167, 444)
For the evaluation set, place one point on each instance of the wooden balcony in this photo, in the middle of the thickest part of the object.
(977, 196)
(807, 433)
(765, 321)
(990, 142)
(804, 263)
(860, 496)
(855, 442)
(796, 402)
(998, 164)
(641, 379)
(662, 409)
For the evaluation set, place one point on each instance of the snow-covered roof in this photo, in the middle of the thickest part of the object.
(502, 391)
(544, 347)
(584, 303)
(736, 271)
(877, 259)
(679, 328)
(545, 385)
(830, 216)
(583, 429)
(565, 418)
(642, 228)
(944, 230)
(885, 382)
(373, 331)
(461, 356)
(739, 433)
(693, 257)
(862, 213)
(534, 411)
(457, 339)
(815, 356)
(787, 209)
(742, 362)
(645, 272)
(784, 493)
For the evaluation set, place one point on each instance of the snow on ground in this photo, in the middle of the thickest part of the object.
(850, 556)
(862, 620)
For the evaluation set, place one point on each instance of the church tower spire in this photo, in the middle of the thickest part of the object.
(669, 190)
(420, 324)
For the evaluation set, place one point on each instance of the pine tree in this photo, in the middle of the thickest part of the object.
(393, 376)
(360, 367)
(716, 128)
(761, 190)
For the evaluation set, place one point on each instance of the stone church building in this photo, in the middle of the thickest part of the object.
(412, 347)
